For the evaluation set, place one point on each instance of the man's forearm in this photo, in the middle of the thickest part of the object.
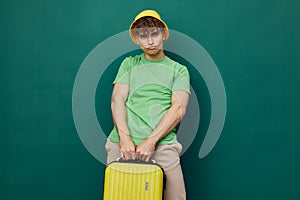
(172, 117)
(169, 121)
(119, 118)
(127, 148)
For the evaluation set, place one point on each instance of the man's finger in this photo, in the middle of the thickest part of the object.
(145, 157)
(148, 158)
(121, 154)
(134, 156)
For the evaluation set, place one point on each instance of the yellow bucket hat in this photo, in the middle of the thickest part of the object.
(148, 13)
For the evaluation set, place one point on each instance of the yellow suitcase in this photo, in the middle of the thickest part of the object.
(133, 180)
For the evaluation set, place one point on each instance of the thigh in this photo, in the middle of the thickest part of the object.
(175, 186)
(168, 156)
(113, 151)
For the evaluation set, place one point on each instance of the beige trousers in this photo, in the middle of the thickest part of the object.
(166, 156)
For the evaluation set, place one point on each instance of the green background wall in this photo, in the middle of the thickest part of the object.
(255, 45)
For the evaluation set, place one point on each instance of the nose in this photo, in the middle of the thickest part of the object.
(150, 40)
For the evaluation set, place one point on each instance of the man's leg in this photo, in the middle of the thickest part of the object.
(168, 157)
(175, 188)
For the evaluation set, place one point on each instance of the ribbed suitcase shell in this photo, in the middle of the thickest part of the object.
(133, 181)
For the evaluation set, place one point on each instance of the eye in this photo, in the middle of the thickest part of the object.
(155, 34)
(142, 36)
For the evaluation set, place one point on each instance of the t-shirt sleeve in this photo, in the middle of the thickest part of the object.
(182, 80)
(123, 73)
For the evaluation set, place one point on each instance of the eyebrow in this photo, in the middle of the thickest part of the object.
(147, 31)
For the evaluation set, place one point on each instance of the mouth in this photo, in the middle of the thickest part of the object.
(151, 47)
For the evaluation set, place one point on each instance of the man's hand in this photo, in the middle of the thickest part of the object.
(127, 148)
(145, 150)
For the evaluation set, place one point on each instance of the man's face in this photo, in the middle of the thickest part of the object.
(150, 40)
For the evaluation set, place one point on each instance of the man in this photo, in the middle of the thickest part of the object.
(149, 99)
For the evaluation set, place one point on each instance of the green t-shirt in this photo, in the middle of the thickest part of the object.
(151, 84)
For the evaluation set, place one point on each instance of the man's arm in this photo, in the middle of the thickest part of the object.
(169, 121)
(119, 97)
